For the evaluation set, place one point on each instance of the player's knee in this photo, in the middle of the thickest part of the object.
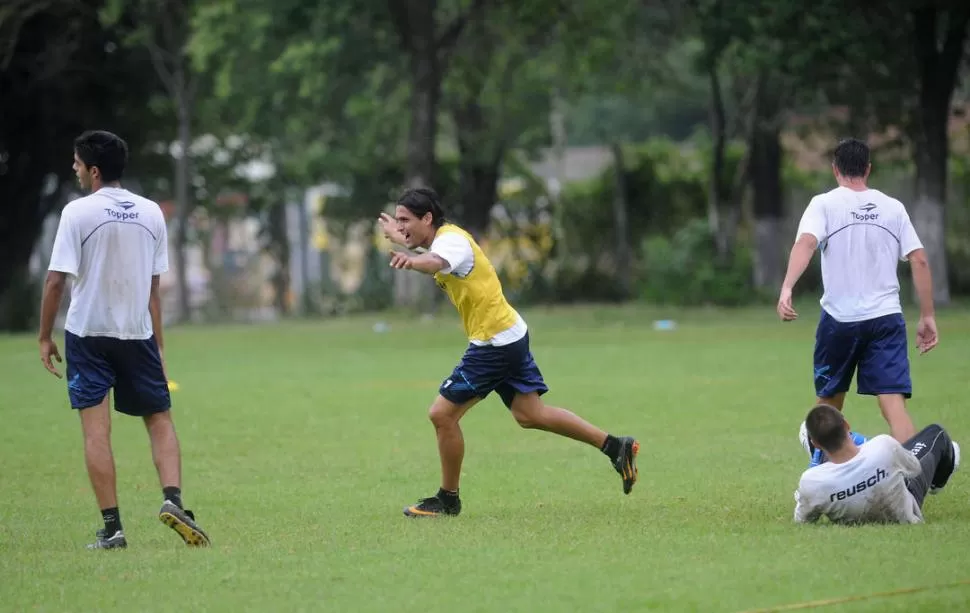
(527, 413)
(97, 438)
(441, 417)
(526, 420)
(159, 419)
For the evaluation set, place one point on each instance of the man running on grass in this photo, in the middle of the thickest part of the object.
(862, 234)
(114, 245)
(879, 481)
(498, 356)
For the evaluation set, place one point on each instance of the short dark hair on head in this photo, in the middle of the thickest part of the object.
(852, 157)
(107, 151)
(826, 426)
(423, 200)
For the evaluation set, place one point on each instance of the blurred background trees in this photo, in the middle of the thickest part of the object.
(610, 150)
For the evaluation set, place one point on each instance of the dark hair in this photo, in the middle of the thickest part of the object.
(826, 426)
(852, 157)
(421, 201)
(105, 150)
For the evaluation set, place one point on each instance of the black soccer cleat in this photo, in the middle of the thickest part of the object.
(433, 507)
(183, 522)
(115, 541)
(626, 462)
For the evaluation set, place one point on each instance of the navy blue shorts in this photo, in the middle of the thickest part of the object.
(507, 370)
(95, 364)
(876, 348)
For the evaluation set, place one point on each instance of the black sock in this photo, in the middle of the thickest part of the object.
(112, 521)
(611, 447)
(173, 495)
(449, 498)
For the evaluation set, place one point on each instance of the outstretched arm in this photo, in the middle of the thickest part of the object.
(428, 263)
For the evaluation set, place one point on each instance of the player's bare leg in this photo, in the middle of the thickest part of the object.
(165, 449)
(531, 412)
(167, 456)
(445, 415)
(893, 408)
(837, 401)
(96, 428)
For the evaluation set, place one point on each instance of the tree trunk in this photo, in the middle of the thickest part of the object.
(767, 205)
(557, 126)
(478, 192)
(425, 93)
(937, 77)
(717, 193)
(480, 160)
(279, 247)
(409, 286)
(621, 221)
(929, 210)
(183, 174)
(20, 227)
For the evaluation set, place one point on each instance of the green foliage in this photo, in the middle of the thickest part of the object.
(677, 261)
(330, 92)
(683, 270)
(667, 184)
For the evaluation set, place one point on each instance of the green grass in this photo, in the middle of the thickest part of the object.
(303, 441)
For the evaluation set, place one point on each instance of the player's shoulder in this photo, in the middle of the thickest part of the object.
(880, 442)
(883, 440)
(452, 235)
(142, 201)
(822, 204)
(882, 198)
(82, 206)
(813, 478)
(832, 195)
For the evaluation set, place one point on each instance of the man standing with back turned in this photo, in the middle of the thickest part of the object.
(862, 234)
(114, 245)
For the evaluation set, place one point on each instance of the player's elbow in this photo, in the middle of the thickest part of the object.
(806, 242)
(918, 259)
(56, 280)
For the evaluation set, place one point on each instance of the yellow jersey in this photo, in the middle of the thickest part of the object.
(478, 295)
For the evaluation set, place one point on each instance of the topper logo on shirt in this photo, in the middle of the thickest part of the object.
(860, 486)
(121, 216)
(868, 215)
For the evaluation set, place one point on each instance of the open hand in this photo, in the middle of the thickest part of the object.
(389, 226)
(401, 261)
(48, 350)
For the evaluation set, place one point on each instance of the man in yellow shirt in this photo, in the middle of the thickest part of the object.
(497, 358)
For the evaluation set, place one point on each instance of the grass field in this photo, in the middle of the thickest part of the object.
(302, 442)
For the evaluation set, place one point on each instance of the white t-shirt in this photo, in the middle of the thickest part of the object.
(457, 251)
(862, 236)
(111, 242)
(870, 487)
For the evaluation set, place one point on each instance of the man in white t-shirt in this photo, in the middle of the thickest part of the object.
(862, 234)
(879, 481)
(113, 244)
